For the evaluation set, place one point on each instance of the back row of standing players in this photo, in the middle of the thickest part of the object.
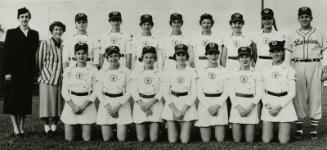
(304, 50)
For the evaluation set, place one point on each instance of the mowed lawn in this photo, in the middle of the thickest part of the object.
(35, 138)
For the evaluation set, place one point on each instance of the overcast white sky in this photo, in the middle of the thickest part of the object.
(46, 11)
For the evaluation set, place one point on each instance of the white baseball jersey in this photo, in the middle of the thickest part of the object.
(212, 81)
(79, 80)
(146, 82)
(113, 82)
(279, 79)
(179, 81)
(245, 82)
(262, 41)
(308, 45)
(245, 87)
(199, 42)
(68, 54)
(232, 43)
(122, 40)
(139, 43)
(167, 45)
(276, 79)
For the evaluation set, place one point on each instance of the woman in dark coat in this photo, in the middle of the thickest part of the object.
(20, 47)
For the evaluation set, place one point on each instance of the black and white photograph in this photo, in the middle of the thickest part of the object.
(163, 74)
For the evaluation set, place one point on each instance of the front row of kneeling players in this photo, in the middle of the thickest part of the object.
(179, 86)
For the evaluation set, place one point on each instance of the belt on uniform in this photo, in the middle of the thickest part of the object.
(232, 57)
(212, 94)
(307, 60)
(244, 95)
(265, 57)
(113, 95)
(276, 94)
(146, 96)
(74, 59)
(203, 57)
(80, 93)
(177, 94)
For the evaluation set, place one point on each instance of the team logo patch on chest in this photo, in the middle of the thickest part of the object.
(175, 42)
(115, 40)
(79, 75)
(275, 75)
(147, 80)
(236, 43)
(211, 75)
(266, 40)
(204, 42)
(113, 77)
(244, 79)
(180, 79)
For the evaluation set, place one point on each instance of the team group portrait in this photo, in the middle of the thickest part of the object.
(238, 74)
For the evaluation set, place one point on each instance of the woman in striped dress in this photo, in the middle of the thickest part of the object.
(50, 65)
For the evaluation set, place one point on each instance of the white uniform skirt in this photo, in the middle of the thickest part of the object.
(206, 119)
(286, 114)
(190, 114)
(139, 116)
(87, 116)
(235, 117)
(125, 114)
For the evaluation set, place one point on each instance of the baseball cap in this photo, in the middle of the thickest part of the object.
(181, 48)
(244, 51)
(236, 17)
(206, 16)
(146, 18)
(149, 49)
(304, 10)
(80, 46)
(115, 15)
(276, 46)
(80, 16)
(212, 47)
(112, 49)
(267, 12)
(176, 16)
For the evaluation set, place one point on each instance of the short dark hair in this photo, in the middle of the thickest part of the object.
(58, 24)
(187, 56)
(23, 11)
(206, 16)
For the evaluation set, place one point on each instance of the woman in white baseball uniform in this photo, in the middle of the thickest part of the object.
(146, 39)
(245, 91)
(279, 91)
(78, 92)
(268, 22)
(179, 90)
(145, 89)
(168, 43)
(236, 40)
(200, 41)
(112, 91)
(212, 92)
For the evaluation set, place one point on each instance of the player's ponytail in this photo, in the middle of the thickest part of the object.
(274, 24)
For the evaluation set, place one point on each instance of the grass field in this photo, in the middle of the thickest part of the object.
(35, 139)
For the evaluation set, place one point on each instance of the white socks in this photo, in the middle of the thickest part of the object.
(53, 127)
(46, 128)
